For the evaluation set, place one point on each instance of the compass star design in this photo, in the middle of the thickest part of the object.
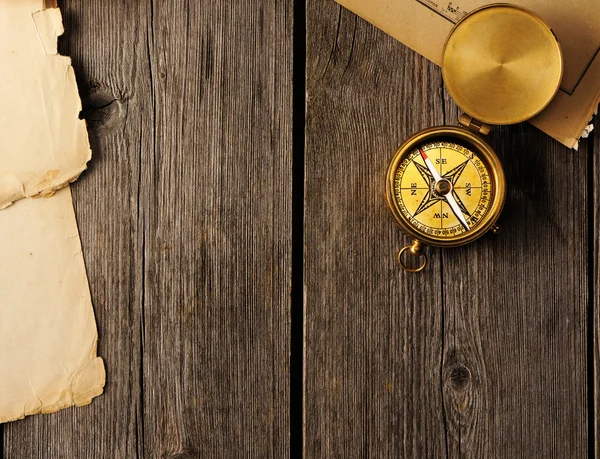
(431, 198)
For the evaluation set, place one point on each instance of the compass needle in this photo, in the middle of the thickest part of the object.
(448, 194)
(430, 166)
(456, 209)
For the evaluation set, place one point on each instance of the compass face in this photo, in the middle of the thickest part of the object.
(443, 189)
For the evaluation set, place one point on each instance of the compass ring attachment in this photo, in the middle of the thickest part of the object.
(415, 250)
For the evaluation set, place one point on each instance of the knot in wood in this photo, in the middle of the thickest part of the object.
(460, 376)
(102, 109)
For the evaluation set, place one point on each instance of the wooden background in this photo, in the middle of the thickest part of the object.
(242, 262)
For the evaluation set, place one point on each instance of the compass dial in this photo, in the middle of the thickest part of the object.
(443, 189)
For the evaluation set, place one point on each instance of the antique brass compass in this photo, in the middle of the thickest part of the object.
(445, 185)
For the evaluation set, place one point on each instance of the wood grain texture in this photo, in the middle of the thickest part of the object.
(218, 230)
(482, 355)
(373, 335)
(185, 223)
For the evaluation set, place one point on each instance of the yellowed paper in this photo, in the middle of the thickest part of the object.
(47, 328)
(44, 144)
(48, 334)
(423, 25)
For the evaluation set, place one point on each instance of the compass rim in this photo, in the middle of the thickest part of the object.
(483, 151)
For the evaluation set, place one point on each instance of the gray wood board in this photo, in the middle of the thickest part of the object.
(185, 220)
(482, 355)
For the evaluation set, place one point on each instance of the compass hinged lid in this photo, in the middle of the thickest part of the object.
(502, 64)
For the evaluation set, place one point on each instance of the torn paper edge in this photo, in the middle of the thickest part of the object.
(50, 18)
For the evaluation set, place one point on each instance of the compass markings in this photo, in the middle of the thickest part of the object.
(453, 176)
(424, 172)
(430, 198)
(463, 208)
(455, 173)
(426, 203)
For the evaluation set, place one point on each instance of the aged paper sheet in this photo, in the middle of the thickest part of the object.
(48, 333)
(47, 328)
(423, 25)
(45, 144)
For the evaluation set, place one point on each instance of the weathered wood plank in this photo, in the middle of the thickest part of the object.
(515, 309)
(185, 221)
(218, 225)
(482, 355)
(373, 334)
(217, 247)
(110, 61)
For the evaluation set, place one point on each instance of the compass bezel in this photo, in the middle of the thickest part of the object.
(479, 148)
(487, 64)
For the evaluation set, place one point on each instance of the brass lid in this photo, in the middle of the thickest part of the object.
(502, 64)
